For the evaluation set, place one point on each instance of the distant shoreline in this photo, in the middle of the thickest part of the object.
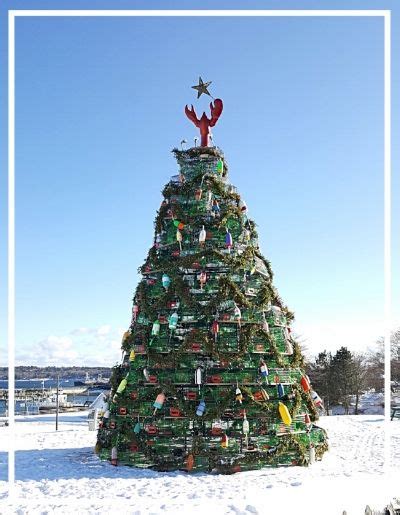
(32, 373)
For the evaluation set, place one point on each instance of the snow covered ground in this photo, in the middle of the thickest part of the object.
(370, 403)
(58, 470)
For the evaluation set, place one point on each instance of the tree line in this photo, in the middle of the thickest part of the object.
(344, 376)
(33, 372)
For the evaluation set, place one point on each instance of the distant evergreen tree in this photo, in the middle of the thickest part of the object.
(321, 376)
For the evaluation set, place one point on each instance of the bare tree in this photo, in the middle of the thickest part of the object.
(360, 370)
(375, 367)
(395, 356)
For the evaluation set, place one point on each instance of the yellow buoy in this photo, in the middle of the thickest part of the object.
(284, 413)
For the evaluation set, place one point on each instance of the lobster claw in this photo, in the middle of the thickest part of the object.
(216, 110)
(191, 114)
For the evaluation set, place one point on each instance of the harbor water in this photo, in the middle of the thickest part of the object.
(38, 389)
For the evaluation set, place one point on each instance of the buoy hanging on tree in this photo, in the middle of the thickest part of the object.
(173, 321)
(242, 206)
(264, 371)
(189, 462)
(239, 395)
(224, 440)
(246, 428)
(316, 398)
(220, 166)
(179, 225)
(305, 384)
(284, 413)
(155, 330)
(158, 403)
(198, 377)
(281, 390)
(215, 329)
(146, 374)
(237, 314)
(307, 419)
(114, 456)
(135, 311)
(122, 385)
(132, 355)
(166, 281)
(202, 236)
(216, 210)
(202, 279)
(201, 408)
(209, 199)
(138, 427)
(228, 240)
(179, 238)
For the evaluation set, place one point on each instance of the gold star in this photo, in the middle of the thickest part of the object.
(202, 88)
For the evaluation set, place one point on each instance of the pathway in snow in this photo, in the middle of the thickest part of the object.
(53, 468)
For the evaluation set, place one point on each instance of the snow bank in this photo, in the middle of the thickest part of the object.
(58, 470)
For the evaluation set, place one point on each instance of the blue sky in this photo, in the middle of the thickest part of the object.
(99, 107)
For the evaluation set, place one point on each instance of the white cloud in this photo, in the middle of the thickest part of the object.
(358, 335)
(82, 330)
(53, 350)
(103, 330)
(82, 346)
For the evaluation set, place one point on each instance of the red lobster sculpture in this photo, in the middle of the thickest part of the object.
(205, 123)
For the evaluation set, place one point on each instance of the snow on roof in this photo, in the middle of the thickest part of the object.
(99, 402)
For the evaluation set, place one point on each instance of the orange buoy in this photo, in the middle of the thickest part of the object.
(305, 384)
(189, 462)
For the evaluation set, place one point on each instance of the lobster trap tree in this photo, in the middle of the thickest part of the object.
(211, 377)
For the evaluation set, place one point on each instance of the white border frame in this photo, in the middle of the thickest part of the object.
(12, 14)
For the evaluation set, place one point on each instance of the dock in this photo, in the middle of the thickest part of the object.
(35, 400)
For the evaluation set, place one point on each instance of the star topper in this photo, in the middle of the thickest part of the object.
(202, 88)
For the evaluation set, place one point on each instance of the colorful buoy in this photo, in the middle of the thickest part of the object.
(201, 408)
(166, 281)
(189, 462)
(202, 235)
(155, 330)
(305, 384)
(281, 390)
(198, 376)
(122, 385)
(173, 321)
(228, 239)
(246, 428)
(264, 370)
(284, 413)
(239, 395)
